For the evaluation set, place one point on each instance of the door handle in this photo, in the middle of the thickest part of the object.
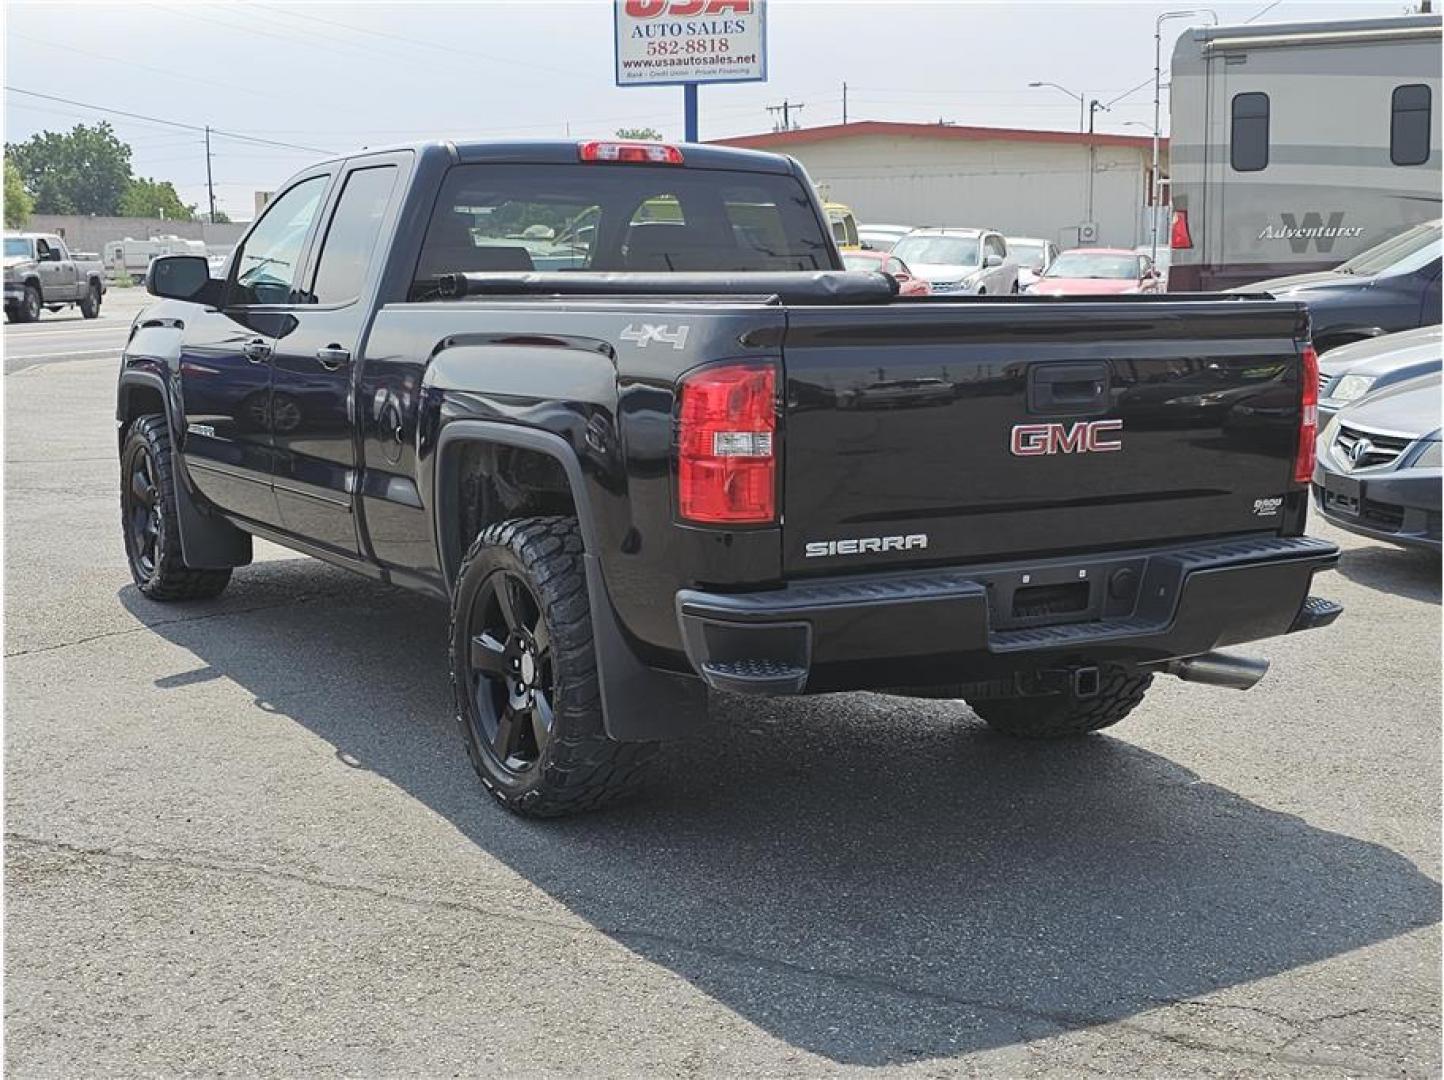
(257, 350)
(331, 357)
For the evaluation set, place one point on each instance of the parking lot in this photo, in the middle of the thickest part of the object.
(242, 837)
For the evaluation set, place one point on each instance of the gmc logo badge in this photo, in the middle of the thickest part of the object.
(1084, 437)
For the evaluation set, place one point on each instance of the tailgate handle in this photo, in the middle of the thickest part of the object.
(1068, 388)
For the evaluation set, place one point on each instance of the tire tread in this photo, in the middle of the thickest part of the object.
(583, 769)
(173, 579)
(1061, 716)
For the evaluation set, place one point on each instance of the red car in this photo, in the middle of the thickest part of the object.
(908, 285)
(1097, 272)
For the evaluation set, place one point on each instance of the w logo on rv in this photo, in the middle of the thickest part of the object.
(1312, 230)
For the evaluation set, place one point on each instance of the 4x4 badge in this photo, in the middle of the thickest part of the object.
(646, 333)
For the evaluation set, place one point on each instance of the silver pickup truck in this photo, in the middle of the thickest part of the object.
(40, 273)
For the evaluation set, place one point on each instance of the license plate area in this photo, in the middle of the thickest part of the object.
(1058, 594)
(1342, 494)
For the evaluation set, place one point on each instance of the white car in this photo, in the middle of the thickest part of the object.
(1033, 256)
(960, 261)
(881, 237)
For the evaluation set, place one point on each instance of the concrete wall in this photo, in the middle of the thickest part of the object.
(83, 233)
(1020, 188)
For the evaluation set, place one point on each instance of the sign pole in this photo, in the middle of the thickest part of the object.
(689, 110)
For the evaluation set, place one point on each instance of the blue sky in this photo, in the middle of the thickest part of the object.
(335, 76)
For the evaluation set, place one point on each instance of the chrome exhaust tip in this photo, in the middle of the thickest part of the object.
(1219, 669)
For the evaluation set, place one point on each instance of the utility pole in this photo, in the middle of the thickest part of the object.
(210, 187)
(1157, 184)
(786, 109)
(844, 103)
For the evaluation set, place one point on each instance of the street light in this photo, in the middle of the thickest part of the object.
(1157, 92)
(1082, 104)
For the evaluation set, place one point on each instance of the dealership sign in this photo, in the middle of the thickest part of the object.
(662, 42)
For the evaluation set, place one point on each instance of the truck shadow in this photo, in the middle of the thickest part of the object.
(869, 879)
(1403, 572)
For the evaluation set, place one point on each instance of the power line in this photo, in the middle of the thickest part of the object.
(393, 38)
(167, 123)
(170, 74)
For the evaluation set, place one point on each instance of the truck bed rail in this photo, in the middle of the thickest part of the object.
(798, 288)
(788, 287)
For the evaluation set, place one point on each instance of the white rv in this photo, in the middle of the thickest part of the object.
(1297, 145)
(133, 257)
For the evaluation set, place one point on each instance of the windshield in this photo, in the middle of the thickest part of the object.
(17, 246)
(1027, 253)
(1383, 256)
(938, 250)
(1084, 264)
(858, 260)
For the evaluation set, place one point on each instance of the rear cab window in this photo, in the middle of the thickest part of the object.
(499, 217)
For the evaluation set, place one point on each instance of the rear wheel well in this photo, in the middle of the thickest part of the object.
(495, 482)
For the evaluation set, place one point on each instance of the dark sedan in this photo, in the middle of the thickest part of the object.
(1378, 472)
(1349, 372)
(1391, 287)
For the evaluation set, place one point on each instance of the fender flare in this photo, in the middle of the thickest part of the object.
(639, 703)
(208, 542)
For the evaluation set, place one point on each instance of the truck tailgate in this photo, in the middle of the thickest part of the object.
(938, 433)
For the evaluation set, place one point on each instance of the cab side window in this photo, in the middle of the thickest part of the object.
(995, 246)
(351, 237)
(266, 264)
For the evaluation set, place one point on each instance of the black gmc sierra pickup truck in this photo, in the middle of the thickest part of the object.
(619, 406)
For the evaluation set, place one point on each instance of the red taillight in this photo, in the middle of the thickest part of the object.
(1179, 239)
(1307, 452)
(640, 153)
(726, 461)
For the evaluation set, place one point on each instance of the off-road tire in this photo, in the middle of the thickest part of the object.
(90, 306)
(29, 308)
(1060, 716)
(580, 768)
(164, 576)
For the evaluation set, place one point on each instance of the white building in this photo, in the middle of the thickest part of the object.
(1023, 183)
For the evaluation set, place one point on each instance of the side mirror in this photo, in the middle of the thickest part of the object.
(990, 260)
(179, 277)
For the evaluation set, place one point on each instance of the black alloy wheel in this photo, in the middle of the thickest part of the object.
(510, 673)
(142, 508)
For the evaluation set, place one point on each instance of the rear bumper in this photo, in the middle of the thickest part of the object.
(968, 624)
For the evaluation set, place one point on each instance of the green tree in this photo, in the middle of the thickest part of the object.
(85, 171)
(18, 202)
(222, 218)
(154, 198)
(640, 134)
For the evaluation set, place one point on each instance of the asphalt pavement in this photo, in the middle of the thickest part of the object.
(65, 335)
(242, 837)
